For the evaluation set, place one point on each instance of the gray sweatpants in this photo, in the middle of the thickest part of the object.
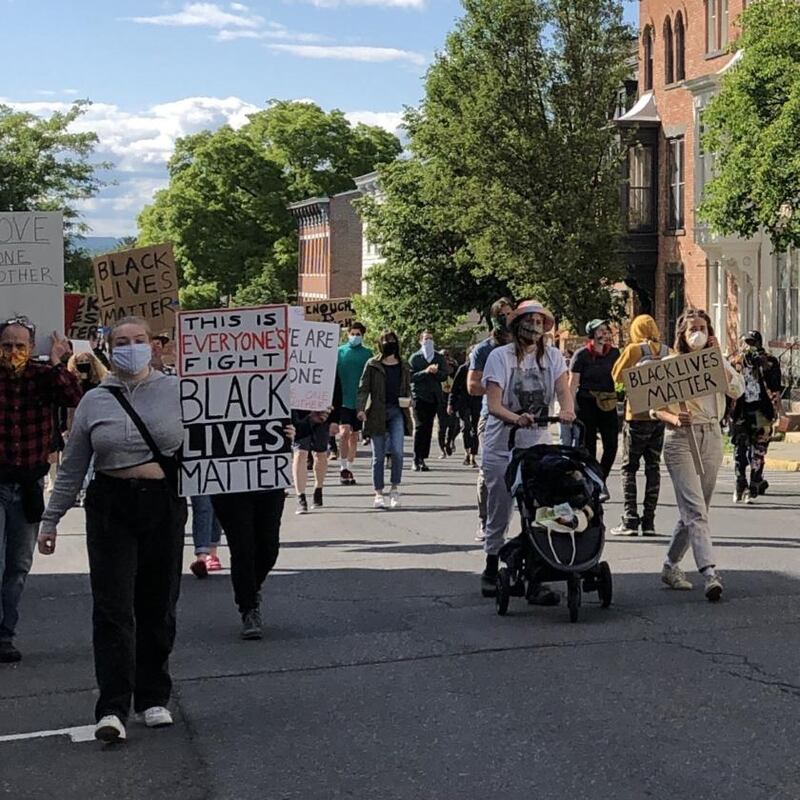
(692, 493)
(481, 488)
(499, 505)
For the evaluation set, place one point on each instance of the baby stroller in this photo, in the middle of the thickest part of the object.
(560, 492)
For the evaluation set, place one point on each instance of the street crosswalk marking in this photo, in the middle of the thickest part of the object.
(81, 733)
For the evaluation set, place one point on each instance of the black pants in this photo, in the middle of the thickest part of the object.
(605, 423)
(134, 536)
(252, 525)
(641, 440)
(449, 427)
(424, 415)
(469, 430)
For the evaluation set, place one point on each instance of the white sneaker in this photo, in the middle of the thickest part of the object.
(110, 730)
(674, 578)
(155, 717)
(624, 530)
(713, 588)
(748, 498)
(394, 499)
(379, 501)
(480, 535)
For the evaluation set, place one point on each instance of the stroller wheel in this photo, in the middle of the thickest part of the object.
(503, 591)
(573, 597)
(605, 585)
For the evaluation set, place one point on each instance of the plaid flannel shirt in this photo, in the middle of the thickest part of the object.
(27, 402)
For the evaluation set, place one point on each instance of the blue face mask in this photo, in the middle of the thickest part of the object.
(132, 358)
(355, 340)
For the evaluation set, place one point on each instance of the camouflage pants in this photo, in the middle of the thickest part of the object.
(751, 437)
(641, 440)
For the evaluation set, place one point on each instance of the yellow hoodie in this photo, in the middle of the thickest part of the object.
(643, 329)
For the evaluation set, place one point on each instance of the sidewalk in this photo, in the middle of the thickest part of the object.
(782, 456)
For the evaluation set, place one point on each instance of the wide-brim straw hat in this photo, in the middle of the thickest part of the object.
(535, 307)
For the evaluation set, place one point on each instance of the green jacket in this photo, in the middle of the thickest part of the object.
(424, 386)
(372, 396)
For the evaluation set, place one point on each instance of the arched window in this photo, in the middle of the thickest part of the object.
(669, 53)
(647, 46)
(680, 48)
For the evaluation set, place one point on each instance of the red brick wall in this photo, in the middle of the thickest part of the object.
(675, 107)
(346, 246)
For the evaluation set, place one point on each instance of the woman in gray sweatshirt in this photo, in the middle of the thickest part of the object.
(134, 528)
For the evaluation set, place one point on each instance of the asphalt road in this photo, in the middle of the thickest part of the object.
(384, 675)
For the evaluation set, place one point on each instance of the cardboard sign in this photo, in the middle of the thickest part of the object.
(234, 388)
(339, 311)
(32, 271)
(86, 317)
(675, 380)
(142, 283)
(313, 349)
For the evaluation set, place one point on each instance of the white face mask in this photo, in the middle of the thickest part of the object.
(132, 358)
(427, 348)
(697, 340)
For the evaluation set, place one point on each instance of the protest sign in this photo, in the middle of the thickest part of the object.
(339, 310)
(234, 389)
(72, 301)
(313, 348)
(86, 318)
(140, 282)
(32, 271)
(672, 381)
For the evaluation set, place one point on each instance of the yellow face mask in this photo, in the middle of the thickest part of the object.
(15, 360)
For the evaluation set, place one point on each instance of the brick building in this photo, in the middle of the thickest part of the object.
(674, 258)
(330, 247)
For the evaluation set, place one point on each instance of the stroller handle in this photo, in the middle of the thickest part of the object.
(577, 427)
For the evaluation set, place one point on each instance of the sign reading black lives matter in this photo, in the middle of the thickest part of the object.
(675, 380)
(142, 283)
(234, 387)
(32, 271)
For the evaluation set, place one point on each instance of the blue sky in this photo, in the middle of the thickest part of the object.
(159, 69)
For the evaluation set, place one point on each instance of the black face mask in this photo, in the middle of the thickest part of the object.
(84, 369)
(499, 324)
(390, 348)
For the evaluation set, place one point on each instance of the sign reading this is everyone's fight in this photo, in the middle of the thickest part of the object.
(338, 310)
(675, 380)
(313, 348)
(32, 271)
(141, 283)
(235, 400)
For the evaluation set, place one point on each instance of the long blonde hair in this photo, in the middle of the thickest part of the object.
(97, 370)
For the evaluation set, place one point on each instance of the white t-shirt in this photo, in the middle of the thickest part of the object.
(526, 387)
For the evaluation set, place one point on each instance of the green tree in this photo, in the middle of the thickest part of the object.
(515, 129)
(428, 276)
(753, 128)
(45, 167)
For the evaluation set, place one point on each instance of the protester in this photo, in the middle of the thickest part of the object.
(521, 380)
(448, 423)
(160, 344)
(700, 420)
(252, 524)
(468, 409)
(499, 316)
(320, 428)
(753, 415)
(98, 346)
(206, 535)
(428, 373)
(30, 392)
(88, 369)
(593, 387)
(642, 437)
(384, 398)
(351, 360)
(134, 528)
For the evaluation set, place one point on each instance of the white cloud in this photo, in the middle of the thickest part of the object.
(392, 121)
(205, 15)
(348, 53)
(275, 31)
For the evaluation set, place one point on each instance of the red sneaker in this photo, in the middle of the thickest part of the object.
(199, 567)
(213, 564)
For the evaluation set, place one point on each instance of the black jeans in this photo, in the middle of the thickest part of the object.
(424, 415)
(605, 423)
(134, 537)
(252, 525)
(449, 426)
(641, 440)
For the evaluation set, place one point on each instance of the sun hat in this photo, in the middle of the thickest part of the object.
(526, 307)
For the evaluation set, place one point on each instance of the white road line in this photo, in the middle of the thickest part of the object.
(81, 733)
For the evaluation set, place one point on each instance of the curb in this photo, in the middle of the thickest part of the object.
(773, 464)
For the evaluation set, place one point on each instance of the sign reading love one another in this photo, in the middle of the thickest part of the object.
(675, 380)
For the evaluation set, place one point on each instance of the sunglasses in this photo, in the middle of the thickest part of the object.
(22, 321)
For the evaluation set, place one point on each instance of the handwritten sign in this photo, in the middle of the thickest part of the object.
(234, 388)
(141, 282)
(339, 311)
(313, 348)
(86, 318)
(656, 384)
(32, 271)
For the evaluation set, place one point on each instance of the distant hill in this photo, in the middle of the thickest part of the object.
(98, 244)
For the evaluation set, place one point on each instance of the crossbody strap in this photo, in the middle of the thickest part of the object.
(138, 422)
